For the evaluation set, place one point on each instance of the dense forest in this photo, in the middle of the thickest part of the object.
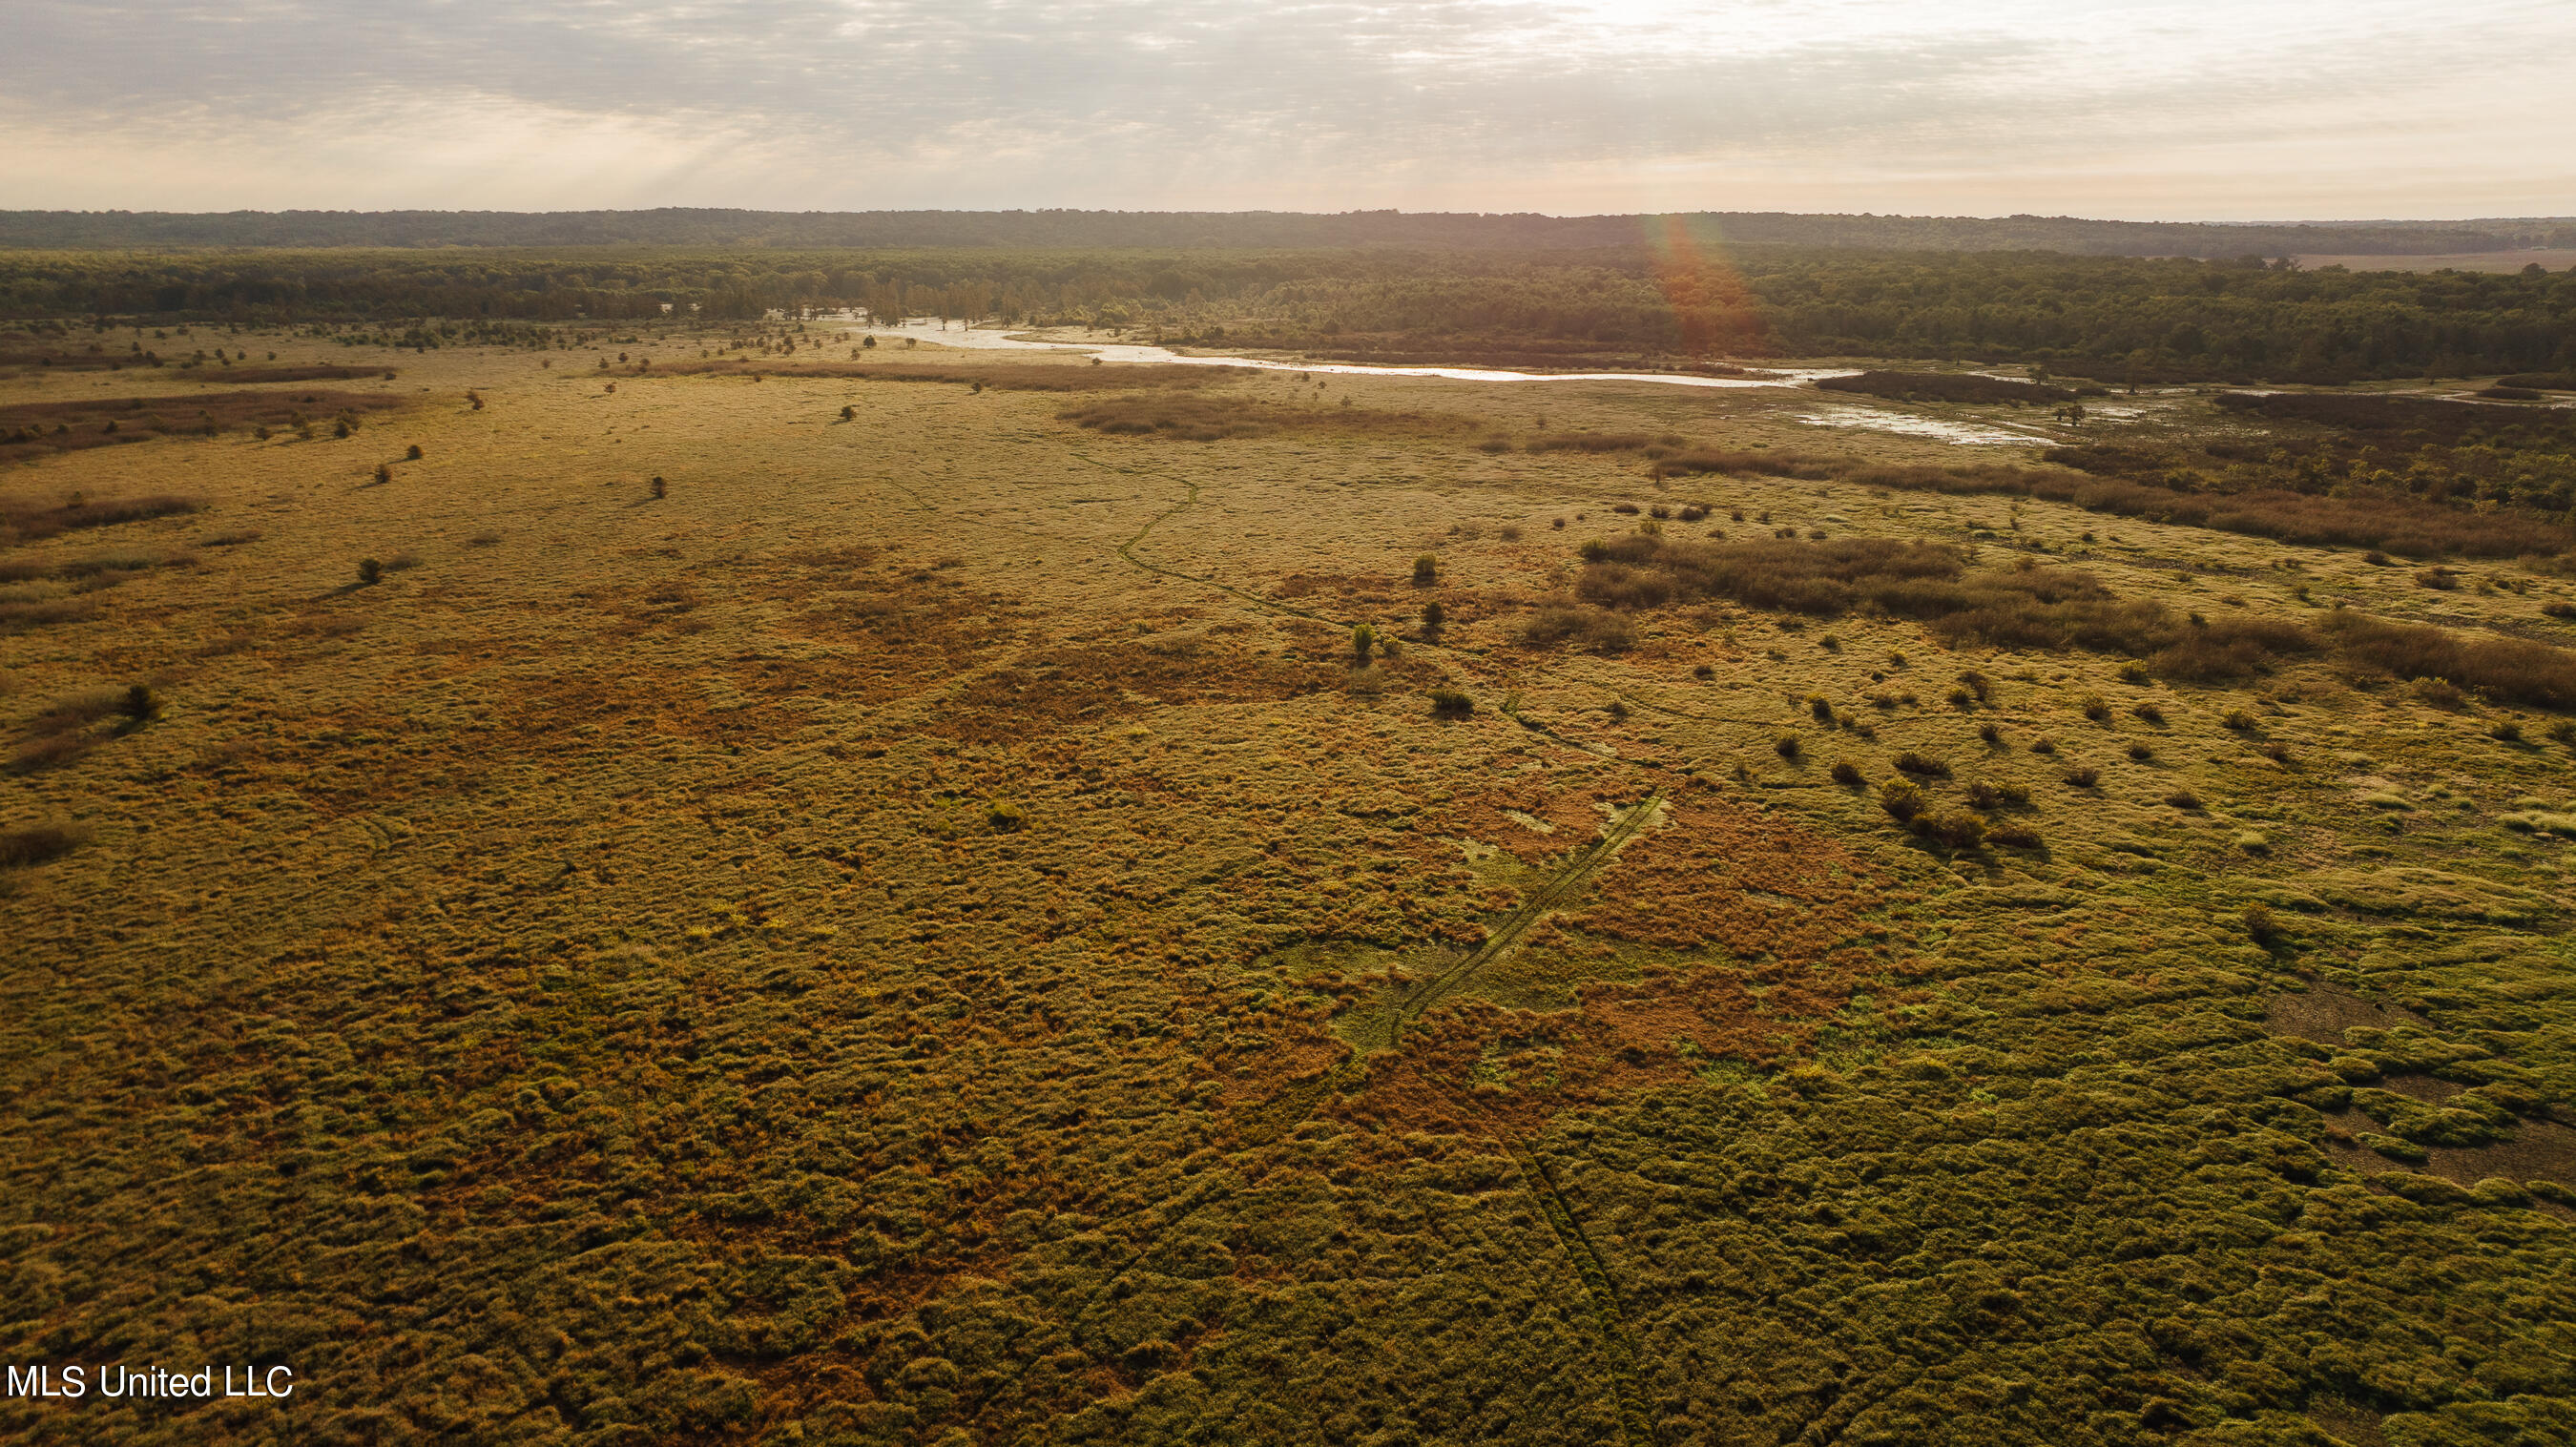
(687, 226)
(2111, 318)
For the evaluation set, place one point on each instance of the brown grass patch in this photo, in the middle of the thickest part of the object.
(22, 847)
(1062, 688)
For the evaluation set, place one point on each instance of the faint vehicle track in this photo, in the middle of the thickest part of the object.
(1432, 989)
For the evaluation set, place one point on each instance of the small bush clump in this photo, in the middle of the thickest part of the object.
(1919, 763)
(1450, 703)
(1845, 772)
(2083, 776)
(1903, 799)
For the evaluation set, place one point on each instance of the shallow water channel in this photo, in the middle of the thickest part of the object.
(995, 339)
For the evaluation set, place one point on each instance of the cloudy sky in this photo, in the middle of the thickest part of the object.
(2183, 109)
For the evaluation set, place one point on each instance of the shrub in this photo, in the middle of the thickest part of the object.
(1786, 746)
(1844, 772)
(2559, 610)
(1903, 799)
(370, 571)
(2083, 776)
(1978, 684)
(1991, 734)
(2043, 745)
(2442, 579)
(1450, 703)
(2141, 753)
(2184, 799)
(139, 704)
(2375, 558)
(1426, 571)
(2277, 751)
(1005, 817)
(2261, 925)
(2505, 730)
(660, 489)
(2150, 713)
(2239, 720)
(1991, 796)
(1924, 764)
(2013, 836)
(22, 847)
(1957, 828)
(1363, 643)
(1820, 708)
(1433, 617)
(1624, 509)
(1703, 671)
(2095, 708)
(1962, 700)
(384, 474)
(849, 413)
(2439, 693)
(412, 453)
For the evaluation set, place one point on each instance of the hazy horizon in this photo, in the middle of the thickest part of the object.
(2115, 111)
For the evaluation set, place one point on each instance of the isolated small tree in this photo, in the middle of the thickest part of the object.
(659, 489)
(1363, 643)
(849, 414)
(384, 474)
(1433, 616)
(412, 453)
(869, 342)
(1426, 571)
(140, 705)
(370, 571)
(340, 428)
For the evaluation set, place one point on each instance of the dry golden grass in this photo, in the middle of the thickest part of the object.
(868, 938)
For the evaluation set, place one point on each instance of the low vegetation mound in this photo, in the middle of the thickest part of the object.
(2424, 419)
(24, 519)
(1197, 417)
(2020, 607)
(2512, 670)
(32, 429)
(1656, 445)
(1005, 376)
(1953, 387)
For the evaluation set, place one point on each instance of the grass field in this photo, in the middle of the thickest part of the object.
(726, 905)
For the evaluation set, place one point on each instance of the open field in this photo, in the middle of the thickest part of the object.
(882, 898)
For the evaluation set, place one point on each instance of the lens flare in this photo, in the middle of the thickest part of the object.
(1712, 308)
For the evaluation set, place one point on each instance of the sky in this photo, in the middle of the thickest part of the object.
(2175, 110)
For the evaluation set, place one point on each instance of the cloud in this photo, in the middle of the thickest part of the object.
(2197, 108)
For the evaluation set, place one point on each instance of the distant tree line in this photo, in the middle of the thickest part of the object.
(1163, 230)
(2108, 318)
